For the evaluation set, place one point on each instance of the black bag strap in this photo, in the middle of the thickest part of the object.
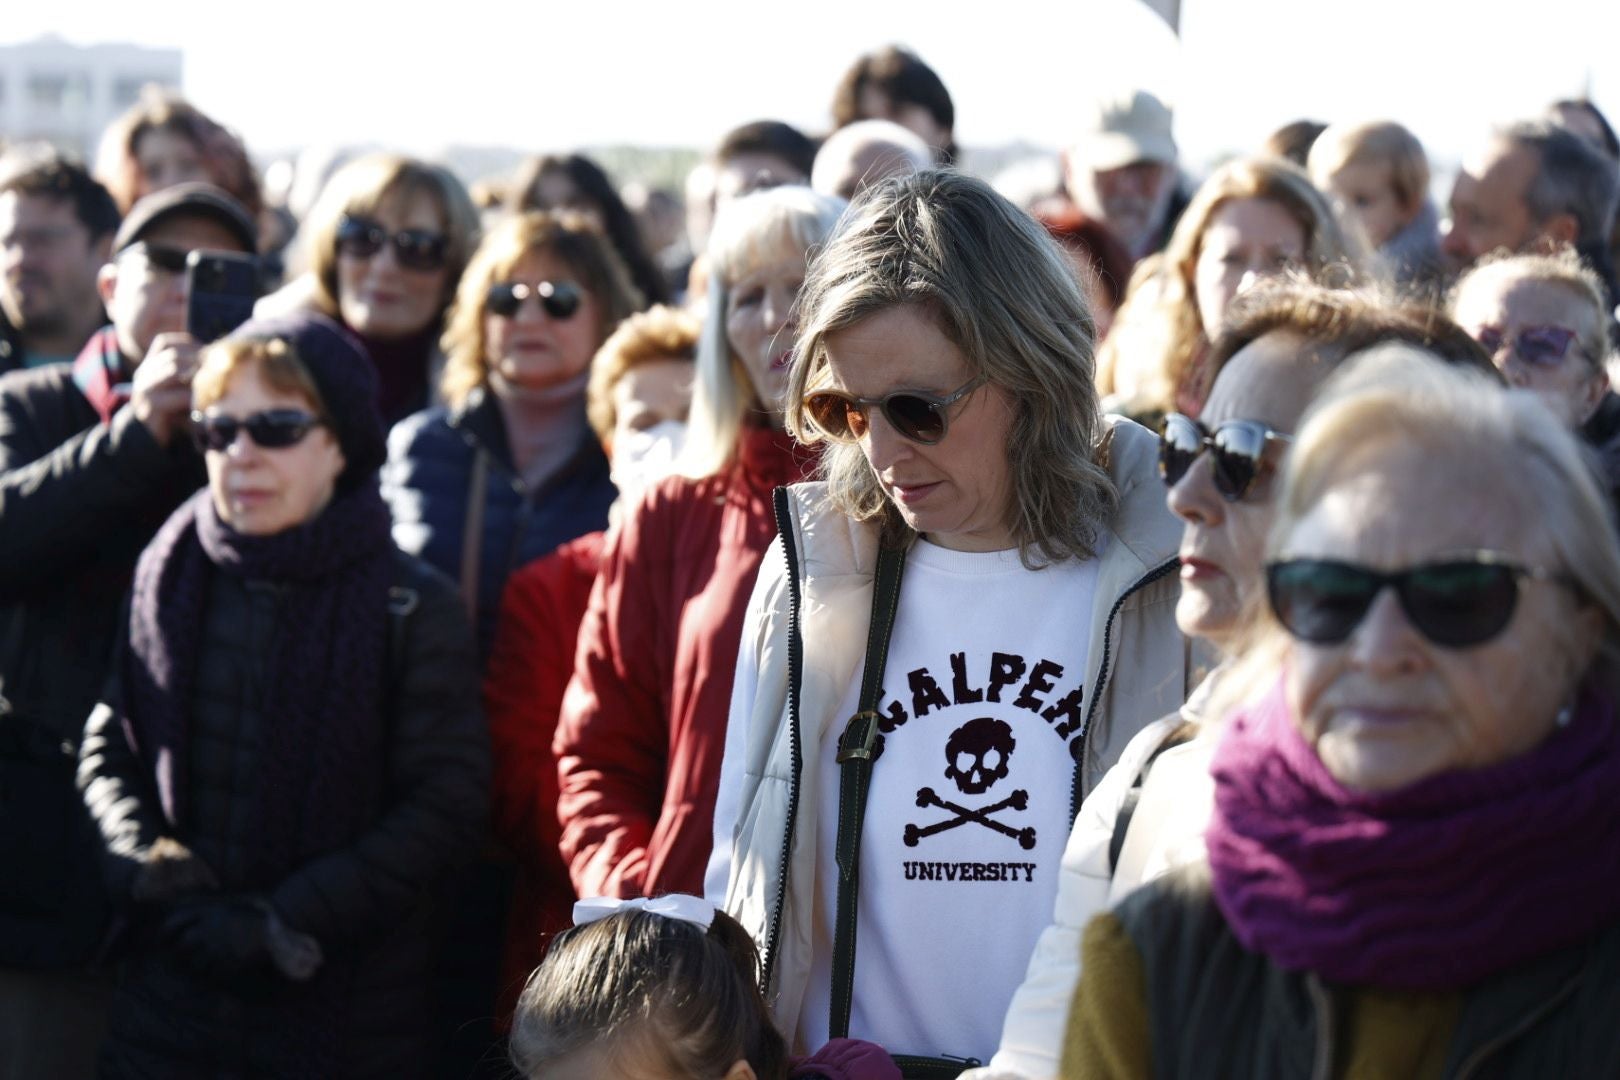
(858, 748)
(472, 533)
(1133, 796)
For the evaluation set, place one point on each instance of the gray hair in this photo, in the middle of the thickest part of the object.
(886, 145)
(1562, 267)
(1574, 178)
(1002, 293)
(746, 233)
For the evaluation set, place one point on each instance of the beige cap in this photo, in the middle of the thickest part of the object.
(1124, 130)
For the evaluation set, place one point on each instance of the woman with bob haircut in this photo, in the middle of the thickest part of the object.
(1252, 218)
(1412, 866)
(508, 468)
(575, 182)
(944, 363)
(643, 722)
(163, 140)
(291, 758)
(386, 242)
(1283, 341)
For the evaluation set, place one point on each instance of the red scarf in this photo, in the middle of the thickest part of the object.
(101, 375)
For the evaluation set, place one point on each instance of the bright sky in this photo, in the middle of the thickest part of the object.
(555, 75)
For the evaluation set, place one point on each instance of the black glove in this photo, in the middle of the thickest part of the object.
(222, 938)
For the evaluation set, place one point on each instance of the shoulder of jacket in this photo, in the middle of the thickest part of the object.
(827, 541)
(1143, 522)
(428, 429)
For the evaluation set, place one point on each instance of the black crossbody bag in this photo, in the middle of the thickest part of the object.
(858, 748)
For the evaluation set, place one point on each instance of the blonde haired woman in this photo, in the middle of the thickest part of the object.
(638, 745)
(1252, 218)
(945, 361)
(508, 468)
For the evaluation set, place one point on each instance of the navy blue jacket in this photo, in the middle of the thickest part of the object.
(426, 481)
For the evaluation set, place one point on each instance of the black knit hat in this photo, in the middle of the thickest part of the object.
(346, 379)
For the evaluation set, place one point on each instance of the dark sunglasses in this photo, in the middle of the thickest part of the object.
(168, 260)
(558, 298)
(415, 249)
(917, 416)
(1238, 446)
(1535, 346)
(272, 429)
(1457, 602)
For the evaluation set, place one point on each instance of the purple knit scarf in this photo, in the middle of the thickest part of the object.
(1432, 887)
(320, 777)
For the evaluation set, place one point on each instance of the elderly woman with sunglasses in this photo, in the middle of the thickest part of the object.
(1545, 321)
(1147, 815)
(1413, 860)
(386, 243)
(643, 721)
(906, 750)
(509, 468)
(290, 756)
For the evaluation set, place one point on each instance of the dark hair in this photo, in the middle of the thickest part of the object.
(1574, 178)
(1611, 142)
(49, 173)
(1294, 141)
(661, 992)
(598, 191)
(1338, 322)
(769, 137)
(901, 76)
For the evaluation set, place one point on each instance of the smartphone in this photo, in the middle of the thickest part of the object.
(222, 289)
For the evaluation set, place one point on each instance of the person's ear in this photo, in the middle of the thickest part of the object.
(741, 1070)
(1561, 229)
(1592, 394)
(107, 282)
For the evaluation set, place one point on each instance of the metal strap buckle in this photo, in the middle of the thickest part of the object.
(859, 737)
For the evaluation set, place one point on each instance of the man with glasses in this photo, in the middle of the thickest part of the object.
(55, 227)
(1544, 319)
(93, 459)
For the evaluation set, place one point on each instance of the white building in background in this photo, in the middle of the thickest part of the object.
(66, 94)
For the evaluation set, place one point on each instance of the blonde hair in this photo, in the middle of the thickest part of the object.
(1401, 392)
(659, 333)
(1562, 268)
(572, 237)
(1158, 330)
(1002, 292)
(1381, 142)
(747, 232)
(363, 186)
(278, 365)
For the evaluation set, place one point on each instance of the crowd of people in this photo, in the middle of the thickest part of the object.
(567, 629)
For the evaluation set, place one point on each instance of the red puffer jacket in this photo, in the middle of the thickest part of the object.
(529, 668)
(643, 725)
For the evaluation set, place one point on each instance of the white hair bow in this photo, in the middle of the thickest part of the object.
(692, 909)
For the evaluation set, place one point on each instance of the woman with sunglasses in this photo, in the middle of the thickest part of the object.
(290, 757)
(1544, 320)
(1253, 218)
(905, 750)
(1283, 340)
(386, 243)
(1412, 863)
(509, 468)
(639, 740)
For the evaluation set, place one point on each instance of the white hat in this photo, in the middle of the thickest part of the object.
(1125, 130)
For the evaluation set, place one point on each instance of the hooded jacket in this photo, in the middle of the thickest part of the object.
(802, 648)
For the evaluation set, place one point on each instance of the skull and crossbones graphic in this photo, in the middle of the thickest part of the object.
(976, 756)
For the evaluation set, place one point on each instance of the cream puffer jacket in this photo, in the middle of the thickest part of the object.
(817, 580)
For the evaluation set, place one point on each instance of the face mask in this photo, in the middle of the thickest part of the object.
(643, 456)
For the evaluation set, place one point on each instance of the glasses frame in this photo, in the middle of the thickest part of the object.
(560, 300)
(421, 250)
(209, 431)
(1207, 442)
(1402, 581)
(937, 405)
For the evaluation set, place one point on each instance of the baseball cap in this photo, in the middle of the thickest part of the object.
(1126, 129)
(201, 200)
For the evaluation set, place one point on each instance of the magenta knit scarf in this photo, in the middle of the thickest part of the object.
(1432, 887)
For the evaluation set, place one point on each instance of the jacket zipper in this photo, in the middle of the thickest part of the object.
(1101, 682)
(1534, 1017)
(784, 529)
